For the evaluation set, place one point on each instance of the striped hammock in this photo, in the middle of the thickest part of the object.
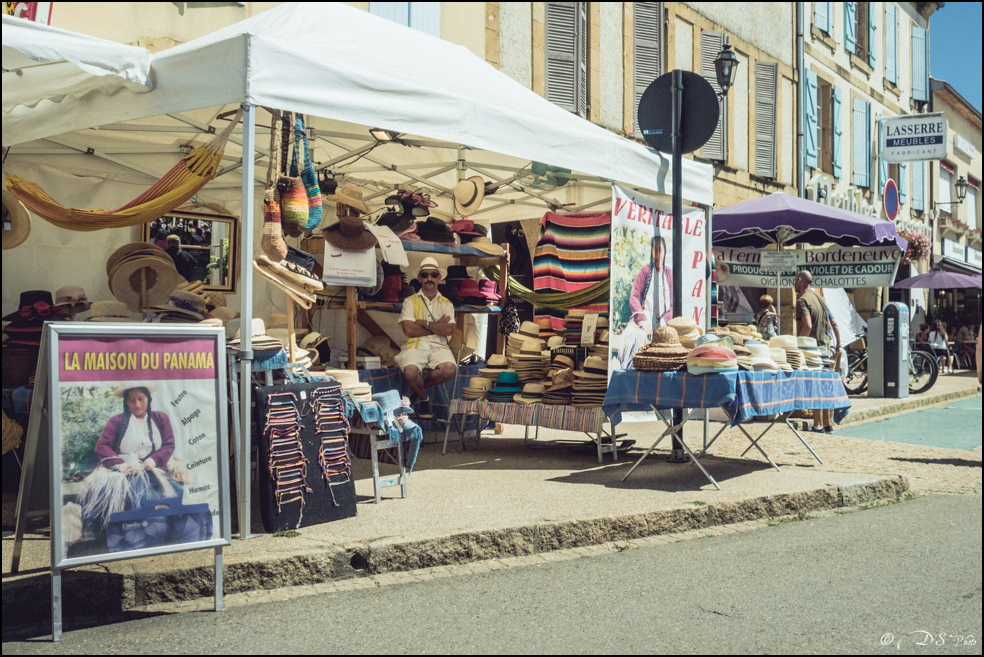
(182, 182)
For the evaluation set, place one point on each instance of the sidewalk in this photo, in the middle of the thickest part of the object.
(506, 499)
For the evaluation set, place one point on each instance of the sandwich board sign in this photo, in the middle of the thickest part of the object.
(126, 448)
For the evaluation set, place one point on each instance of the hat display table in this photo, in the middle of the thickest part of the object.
(742, 396)
(590, 421)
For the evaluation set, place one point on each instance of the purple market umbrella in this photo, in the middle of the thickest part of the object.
(940, 280)
(785, 219)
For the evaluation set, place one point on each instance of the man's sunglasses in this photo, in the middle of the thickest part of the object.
(430, 274)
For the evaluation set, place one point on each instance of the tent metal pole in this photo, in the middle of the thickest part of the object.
(678, 454)
(246, 314)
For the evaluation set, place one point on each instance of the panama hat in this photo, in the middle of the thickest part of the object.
(785, 342)
(184, 304)
(485, 245)
(350, 195)
(468, 195)
(109, 311)
(429, 264)
(128, 278)
(261, 341)
(594, 368)
(16, 221)
(225, 313)
(532, 394)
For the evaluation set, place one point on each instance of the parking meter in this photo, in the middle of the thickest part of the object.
(888, 353)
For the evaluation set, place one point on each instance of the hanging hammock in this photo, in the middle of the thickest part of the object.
(597, 293)
(182, 182)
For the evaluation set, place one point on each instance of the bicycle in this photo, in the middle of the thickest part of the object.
(923, 371)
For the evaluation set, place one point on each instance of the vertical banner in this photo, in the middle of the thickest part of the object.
(642, 270)
(138, 446)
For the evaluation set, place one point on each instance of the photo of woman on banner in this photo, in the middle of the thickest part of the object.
(651, 302)
(134, 452)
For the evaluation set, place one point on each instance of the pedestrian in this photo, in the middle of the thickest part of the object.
(941, 347)
(766, 319)
(817, 322)
(183, 261)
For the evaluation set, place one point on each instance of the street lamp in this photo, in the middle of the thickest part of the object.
(726, 67)
(961, 186)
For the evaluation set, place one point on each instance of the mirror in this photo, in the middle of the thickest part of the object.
(210, 240)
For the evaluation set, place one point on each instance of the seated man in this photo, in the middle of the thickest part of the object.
(428, 322)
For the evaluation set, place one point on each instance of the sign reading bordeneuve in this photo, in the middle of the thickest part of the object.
(833, 267)
(913, 138)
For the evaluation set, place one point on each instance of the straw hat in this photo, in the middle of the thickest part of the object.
(225, 314)
(594, 368)
(666, 342)
(779, 356)
(184, 304)
(261, 341)
(468, 195)
(128, 276)
(480, 383)
(532, 394)
(682, 325)
(485, 245)
(136, 250)
(303, 295)
(215, 299)
(15, 215)
(529, 330)
(381, 347)
(556, 342)
(109, 311)
(74, 297)
(350, 195)
(784, 342)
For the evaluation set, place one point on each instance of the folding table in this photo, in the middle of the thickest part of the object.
(742, 396)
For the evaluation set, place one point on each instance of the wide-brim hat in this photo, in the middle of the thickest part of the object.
(350, 235)
(350, 195)
(72, 296)
(397, 222)
(184, 303)
(16, 221)
(532, 394)
(260, 340)
(434, 230)
(594, 368)
(682, 325)
(485, 245)
(109, 311)
(135, 250)
(151, 388)
(299, 294)
(27, 302)
(784, 342)
(128, 278)
(468, 195)
(529, 330)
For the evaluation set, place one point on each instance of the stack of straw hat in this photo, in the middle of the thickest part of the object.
(261, 341)
(744, 358)
(746, 331)
(506, 388)
(531, 363)
(789, 344)
(478, 388)
(561, 390)
(546, 328)
(532, 394)
(663, 354)
(779, 356)
(600, 347)
(139, 268)
(560, 362)
(590, 383)
(349, 380)
(762, 358)
(109, 311)
(712, 357)
(516, 341)
(687, 330)
(180, 308)
(811, 352)
(497, 364)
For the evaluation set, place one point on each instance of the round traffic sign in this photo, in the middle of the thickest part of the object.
(891, 198)
(697, 122)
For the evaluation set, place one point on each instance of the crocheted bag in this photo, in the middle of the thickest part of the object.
(308, 175)
(272, 242)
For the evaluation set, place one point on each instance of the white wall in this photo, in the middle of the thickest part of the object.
(516, 41)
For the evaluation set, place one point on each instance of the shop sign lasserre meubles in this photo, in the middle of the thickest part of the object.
(835, 267)
(913, 138)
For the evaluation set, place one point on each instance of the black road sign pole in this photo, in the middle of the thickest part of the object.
(678, 455)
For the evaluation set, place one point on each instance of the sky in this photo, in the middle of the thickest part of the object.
(955, 48)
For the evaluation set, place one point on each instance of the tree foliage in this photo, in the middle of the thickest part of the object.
(84, 413)
(632, 250)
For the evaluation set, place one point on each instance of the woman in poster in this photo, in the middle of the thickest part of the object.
(652, 297)
(134, 451)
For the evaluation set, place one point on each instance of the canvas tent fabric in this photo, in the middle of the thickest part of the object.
(403, 80)
(47, 63)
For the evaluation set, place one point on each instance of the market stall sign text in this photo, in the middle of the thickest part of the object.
(835, 267)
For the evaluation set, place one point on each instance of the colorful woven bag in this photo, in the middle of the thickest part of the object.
(293, 196)
(272, 242)
(308, 175)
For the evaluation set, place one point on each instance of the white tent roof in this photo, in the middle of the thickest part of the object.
(46, 63)
(357, 71)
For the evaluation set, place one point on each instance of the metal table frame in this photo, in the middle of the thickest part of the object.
(380, 441)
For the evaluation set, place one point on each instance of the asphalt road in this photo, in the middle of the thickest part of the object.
(857, 583)
(955, 425)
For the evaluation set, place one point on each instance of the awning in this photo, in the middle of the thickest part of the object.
(956, 266)
(46, 63)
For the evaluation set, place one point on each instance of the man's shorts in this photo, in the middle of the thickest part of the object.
(424, 356)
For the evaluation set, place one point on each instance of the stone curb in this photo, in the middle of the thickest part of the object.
(907, 406)
(116, 588)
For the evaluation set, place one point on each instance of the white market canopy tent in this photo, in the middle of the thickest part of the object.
(46, 63)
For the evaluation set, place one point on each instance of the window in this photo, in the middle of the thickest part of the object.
(971, 203)
(567, 56)
(918, 186)
(946, 184)
(766, 89)
(647, 60)
(711, 44)
(423, 16)
(861, 128)
(859, 31)
(825, 126)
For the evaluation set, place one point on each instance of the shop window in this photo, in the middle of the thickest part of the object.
(647, 61)
(711, 44)
(567, 56)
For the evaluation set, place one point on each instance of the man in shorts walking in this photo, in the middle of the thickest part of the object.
(428, 322)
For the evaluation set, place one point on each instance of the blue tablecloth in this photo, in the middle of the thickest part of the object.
(744, 394)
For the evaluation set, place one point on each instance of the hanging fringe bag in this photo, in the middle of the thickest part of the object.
(272, 243)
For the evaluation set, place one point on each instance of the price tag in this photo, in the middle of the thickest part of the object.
(588, 329)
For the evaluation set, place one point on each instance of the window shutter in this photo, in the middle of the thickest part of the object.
(582, 60)
(711, 43)
(647, 49)
(871, 35)
(830, 19)
(766, 82)
(838, 120)
(821, 16)
(920, 73)
(882, 173)
(561, 54)
(812, 106)
(426, 17)
(850, 26)
(861, 135)
(903, 184)
(398, 12)
(891, 43)
(919, 186)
